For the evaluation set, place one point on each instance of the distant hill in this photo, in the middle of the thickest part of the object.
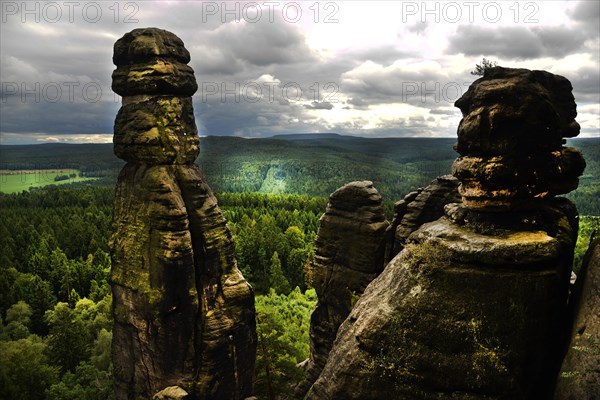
(312, 136)
(303, 163)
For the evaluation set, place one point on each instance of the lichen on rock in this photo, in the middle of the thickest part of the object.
(184, 318)
(418, 207)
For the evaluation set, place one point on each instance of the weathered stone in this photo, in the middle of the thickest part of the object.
(579, 377)
(171, 393)
(510, 140)
(348, 256)
(160, 130)
(417, 208)
(457, 314)
(158, 77)
(515, 110)
(494, 181)
(183, 314)
(145, 44)
(155, 300)
(152, 61)
(474, 305)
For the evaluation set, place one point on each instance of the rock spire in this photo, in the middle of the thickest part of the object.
(184, 319)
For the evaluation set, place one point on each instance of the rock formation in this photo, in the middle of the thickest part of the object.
(183, 314)
(579, 377)
(418, 207)
(348, 256)
(474, 305)
(510, 140)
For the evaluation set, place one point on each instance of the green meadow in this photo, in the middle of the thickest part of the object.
(16, 181)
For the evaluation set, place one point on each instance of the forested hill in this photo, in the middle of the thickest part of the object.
(302, 164)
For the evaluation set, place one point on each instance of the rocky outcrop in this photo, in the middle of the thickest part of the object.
(510, 140)
(183, 314)
(171, 393)
(579, 377)
(348, 256)
(423, 205)
(474, 305)
(456, 314)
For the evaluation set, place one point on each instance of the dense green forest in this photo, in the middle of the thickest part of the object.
(55, 322)
(315, 165)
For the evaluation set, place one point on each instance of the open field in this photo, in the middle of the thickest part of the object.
(15, 181)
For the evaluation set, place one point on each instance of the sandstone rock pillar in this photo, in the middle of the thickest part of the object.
(474, 305)
(183, 314)
(348, 256)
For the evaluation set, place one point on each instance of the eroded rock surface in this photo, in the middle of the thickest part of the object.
(579, 377)
(183, 314)
(457, 314)
(424, 205)
(348, 256)
(510, 140)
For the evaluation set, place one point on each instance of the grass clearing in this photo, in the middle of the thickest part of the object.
(16, 181)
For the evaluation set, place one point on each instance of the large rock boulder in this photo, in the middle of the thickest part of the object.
(348, 256)
(184, 319)
(579, 377)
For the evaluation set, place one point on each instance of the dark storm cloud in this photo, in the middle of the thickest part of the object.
(586, 84)
(315, 105)
(588, 14)
(235, 46)
(357, 102)
(516, 42)
(57, 118)
(419, 84)
(42, 57)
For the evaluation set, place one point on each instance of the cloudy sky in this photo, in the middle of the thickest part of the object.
(390, 68)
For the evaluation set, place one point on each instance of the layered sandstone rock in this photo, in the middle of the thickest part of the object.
(184, 318)
(348, 256)
(510, 140)
(579, 377)
(457, 314)
(474, 305)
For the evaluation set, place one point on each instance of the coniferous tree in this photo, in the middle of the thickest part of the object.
(278, 281)
(483, 66)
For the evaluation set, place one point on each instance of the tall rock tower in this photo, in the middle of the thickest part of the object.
(183, 313)
(348, 255)
(474, 306)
